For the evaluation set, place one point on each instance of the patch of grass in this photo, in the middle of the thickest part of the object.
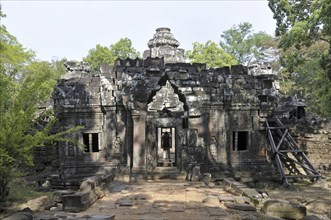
(21, 191)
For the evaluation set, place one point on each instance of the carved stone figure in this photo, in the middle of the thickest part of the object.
(213, 147)
(117, 144)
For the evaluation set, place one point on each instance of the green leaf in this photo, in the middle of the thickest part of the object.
(103, 55)
(210, 54)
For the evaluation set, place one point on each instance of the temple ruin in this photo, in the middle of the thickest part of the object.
(215, 117)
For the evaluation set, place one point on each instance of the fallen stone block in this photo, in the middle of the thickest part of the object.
(211, 185)
(63, 215)
(75, 218)
(125, 201)
(228, 181)
(232, 186)
(152, 218)
(196, 175)
(311, 217)
(251, 193)
(240, 189)
(58, 207)
(242, 199)
(283, 209)
(40, 203)
(47, 217)
(80, 201)
(103, 217)
(206, 177)
(212, 201)
(57, 195)
(87, 185)
(238, 206)
(226, 199)
(238, 186)
(20, 216)
(214, 211)
(108, 206)
(84, 217)
(76, 202)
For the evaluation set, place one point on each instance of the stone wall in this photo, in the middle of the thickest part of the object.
(46, 158)
(318, 149)
(313, 135)
(215, 103)
(216, 115)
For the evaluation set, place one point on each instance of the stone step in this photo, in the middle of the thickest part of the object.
(91, 168)
(166, 170)
(165, 164)
(166, 173)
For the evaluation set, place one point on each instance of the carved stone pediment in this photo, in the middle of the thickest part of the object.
(166, 98)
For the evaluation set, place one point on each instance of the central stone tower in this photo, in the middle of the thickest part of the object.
(163, 44)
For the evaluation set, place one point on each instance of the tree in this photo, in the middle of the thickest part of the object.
(302, 23)
(302, 75)
(24, 84)
(19, 114)
(211, 54)
(304, 31)
(123, 49)
(100, 54)
(13, 56)
(244, 45)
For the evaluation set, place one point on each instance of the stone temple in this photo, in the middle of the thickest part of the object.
(215, 118)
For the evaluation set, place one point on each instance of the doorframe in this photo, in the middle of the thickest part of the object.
(153, 122)
(173, 150)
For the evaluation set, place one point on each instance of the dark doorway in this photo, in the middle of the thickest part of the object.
(165, 158)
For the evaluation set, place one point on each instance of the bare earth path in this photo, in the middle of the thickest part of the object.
(166, 200)
(179, 199)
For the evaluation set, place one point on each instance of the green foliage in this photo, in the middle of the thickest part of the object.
(98, 56)
(304, 29)
(13, 57)
(303, 75)
(19, 113)
(21, 192)
(244, 45)
(301, 23)
(211, 54)
(103, 55)
(24, 84)
(123, 49)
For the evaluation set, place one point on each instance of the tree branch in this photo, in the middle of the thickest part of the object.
(325, 40)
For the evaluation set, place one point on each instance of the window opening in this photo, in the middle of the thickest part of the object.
(185, 123)
(242, 140)
(239, 140)
(234, 139)
(91, 142)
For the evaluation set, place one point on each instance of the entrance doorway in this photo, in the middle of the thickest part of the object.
(166, 136)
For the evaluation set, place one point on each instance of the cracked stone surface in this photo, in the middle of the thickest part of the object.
(162, 200)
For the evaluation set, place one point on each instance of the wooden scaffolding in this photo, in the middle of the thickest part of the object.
(291, 161)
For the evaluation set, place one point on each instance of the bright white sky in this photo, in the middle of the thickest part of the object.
(57, 29)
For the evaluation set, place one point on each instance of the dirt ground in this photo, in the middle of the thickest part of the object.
(184, 200)
(316, 197)
(167, 200)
